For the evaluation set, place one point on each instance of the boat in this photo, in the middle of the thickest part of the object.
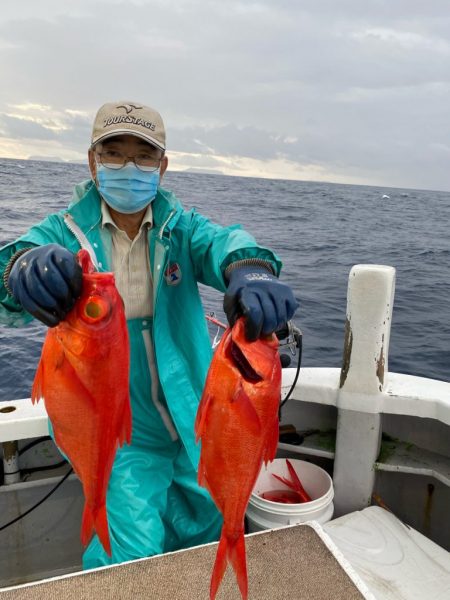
(384, 437)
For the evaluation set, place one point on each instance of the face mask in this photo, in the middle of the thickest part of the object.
(127, 190)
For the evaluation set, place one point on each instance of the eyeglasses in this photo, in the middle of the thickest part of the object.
(112, 159)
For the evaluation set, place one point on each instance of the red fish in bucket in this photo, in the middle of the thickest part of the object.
(83, 378)
(237, 422)
(296, 494)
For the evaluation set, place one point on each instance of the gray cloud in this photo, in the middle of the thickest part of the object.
(357, 88)
(22, 129)
(75, 135)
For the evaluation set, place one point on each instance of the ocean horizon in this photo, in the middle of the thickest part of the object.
(319, 230)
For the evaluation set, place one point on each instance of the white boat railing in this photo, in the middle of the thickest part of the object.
(361, 392)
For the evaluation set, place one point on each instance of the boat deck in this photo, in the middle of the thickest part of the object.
(294, 562)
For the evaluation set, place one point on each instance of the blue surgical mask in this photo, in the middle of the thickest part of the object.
(127, 190)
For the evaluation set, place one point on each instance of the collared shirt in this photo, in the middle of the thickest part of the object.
(131, 265)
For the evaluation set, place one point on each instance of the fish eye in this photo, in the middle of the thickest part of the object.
(94, 309)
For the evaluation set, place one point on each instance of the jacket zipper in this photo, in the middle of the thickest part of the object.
(164, 225)
(81, 238)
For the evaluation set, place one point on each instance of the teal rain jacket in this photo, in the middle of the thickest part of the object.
(201, 249)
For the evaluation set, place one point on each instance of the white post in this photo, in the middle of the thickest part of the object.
(11, 470)
(363, 377)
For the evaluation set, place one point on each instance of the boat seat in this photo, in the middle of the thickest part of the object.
(395, 561)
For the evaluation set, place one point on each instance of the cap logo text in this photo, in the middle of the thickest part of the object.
(129, 119)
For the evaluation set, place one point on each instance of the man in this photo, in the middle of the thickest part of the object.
(158, 252)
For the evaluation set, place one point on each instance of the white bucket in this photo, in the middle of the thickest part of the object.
(265, 514)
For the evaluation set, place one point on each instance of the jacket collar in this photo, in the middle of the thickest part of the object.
(85, 207)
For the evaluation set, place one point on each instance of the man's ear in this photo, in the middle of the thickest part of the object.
(92, 163)
(163, 167)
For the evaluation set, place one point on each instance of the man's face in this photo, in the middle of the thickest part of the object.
(129, 147)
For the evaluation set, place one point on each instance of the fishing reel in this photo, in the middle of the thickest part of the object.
(290, 338)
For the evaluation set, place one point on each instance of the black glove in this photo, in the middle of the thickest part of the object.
(46, 281)
(266, 303)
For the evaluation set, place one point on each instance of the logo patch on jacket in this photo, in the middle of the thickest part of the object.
(173, 274)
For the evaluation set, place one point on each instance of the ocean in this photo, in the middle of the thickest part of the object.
(319, 230)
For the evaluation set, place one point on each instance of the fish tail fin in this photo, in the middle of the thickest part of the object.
(232, 550)
(99, 522)
(236, 556)
(87, 524)
(101, 527)
(38, 384)
(219, 566)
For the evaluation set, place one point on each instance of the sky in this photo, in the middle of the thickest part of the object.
(346, 91)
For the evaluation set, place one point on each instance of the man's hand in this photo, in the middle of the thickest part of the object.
(46, 281)
(266, 303)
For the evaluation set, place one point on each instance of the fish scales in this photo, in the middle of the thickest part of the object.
(83, 378)
(237, 422)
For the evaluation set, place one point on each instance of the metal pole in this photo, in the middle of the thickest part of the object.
(11, 468)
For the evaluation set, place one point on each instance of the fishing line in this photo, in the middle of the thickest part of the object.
(27, 512)
(27, 472)
(46, 438)
(294, 340)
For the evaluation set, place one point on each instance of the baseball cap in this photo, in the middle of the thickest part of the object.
(132, 118)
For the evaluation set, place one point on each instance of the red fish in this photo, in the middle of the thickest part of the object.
(83, 377)
(282, 496)
(294, 483)
(295, 495)
(237, 422)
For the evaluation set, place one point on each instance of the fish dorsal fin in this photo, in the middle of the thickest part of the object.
(52, 348)
(85, 261)
(244, 406)
(38, 384)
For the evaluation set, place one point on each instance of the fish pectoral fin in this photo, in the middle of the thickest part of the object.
(242, 403)
(125, 432)
(201, 415)
(202, 479)
(272, 442)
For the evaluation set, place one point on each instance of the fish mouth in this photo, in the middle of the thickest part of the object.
(235, 354)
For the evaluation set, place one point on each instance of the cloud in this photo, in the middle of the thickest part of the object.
(340, 88)
(22, 128)
(43, 122)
